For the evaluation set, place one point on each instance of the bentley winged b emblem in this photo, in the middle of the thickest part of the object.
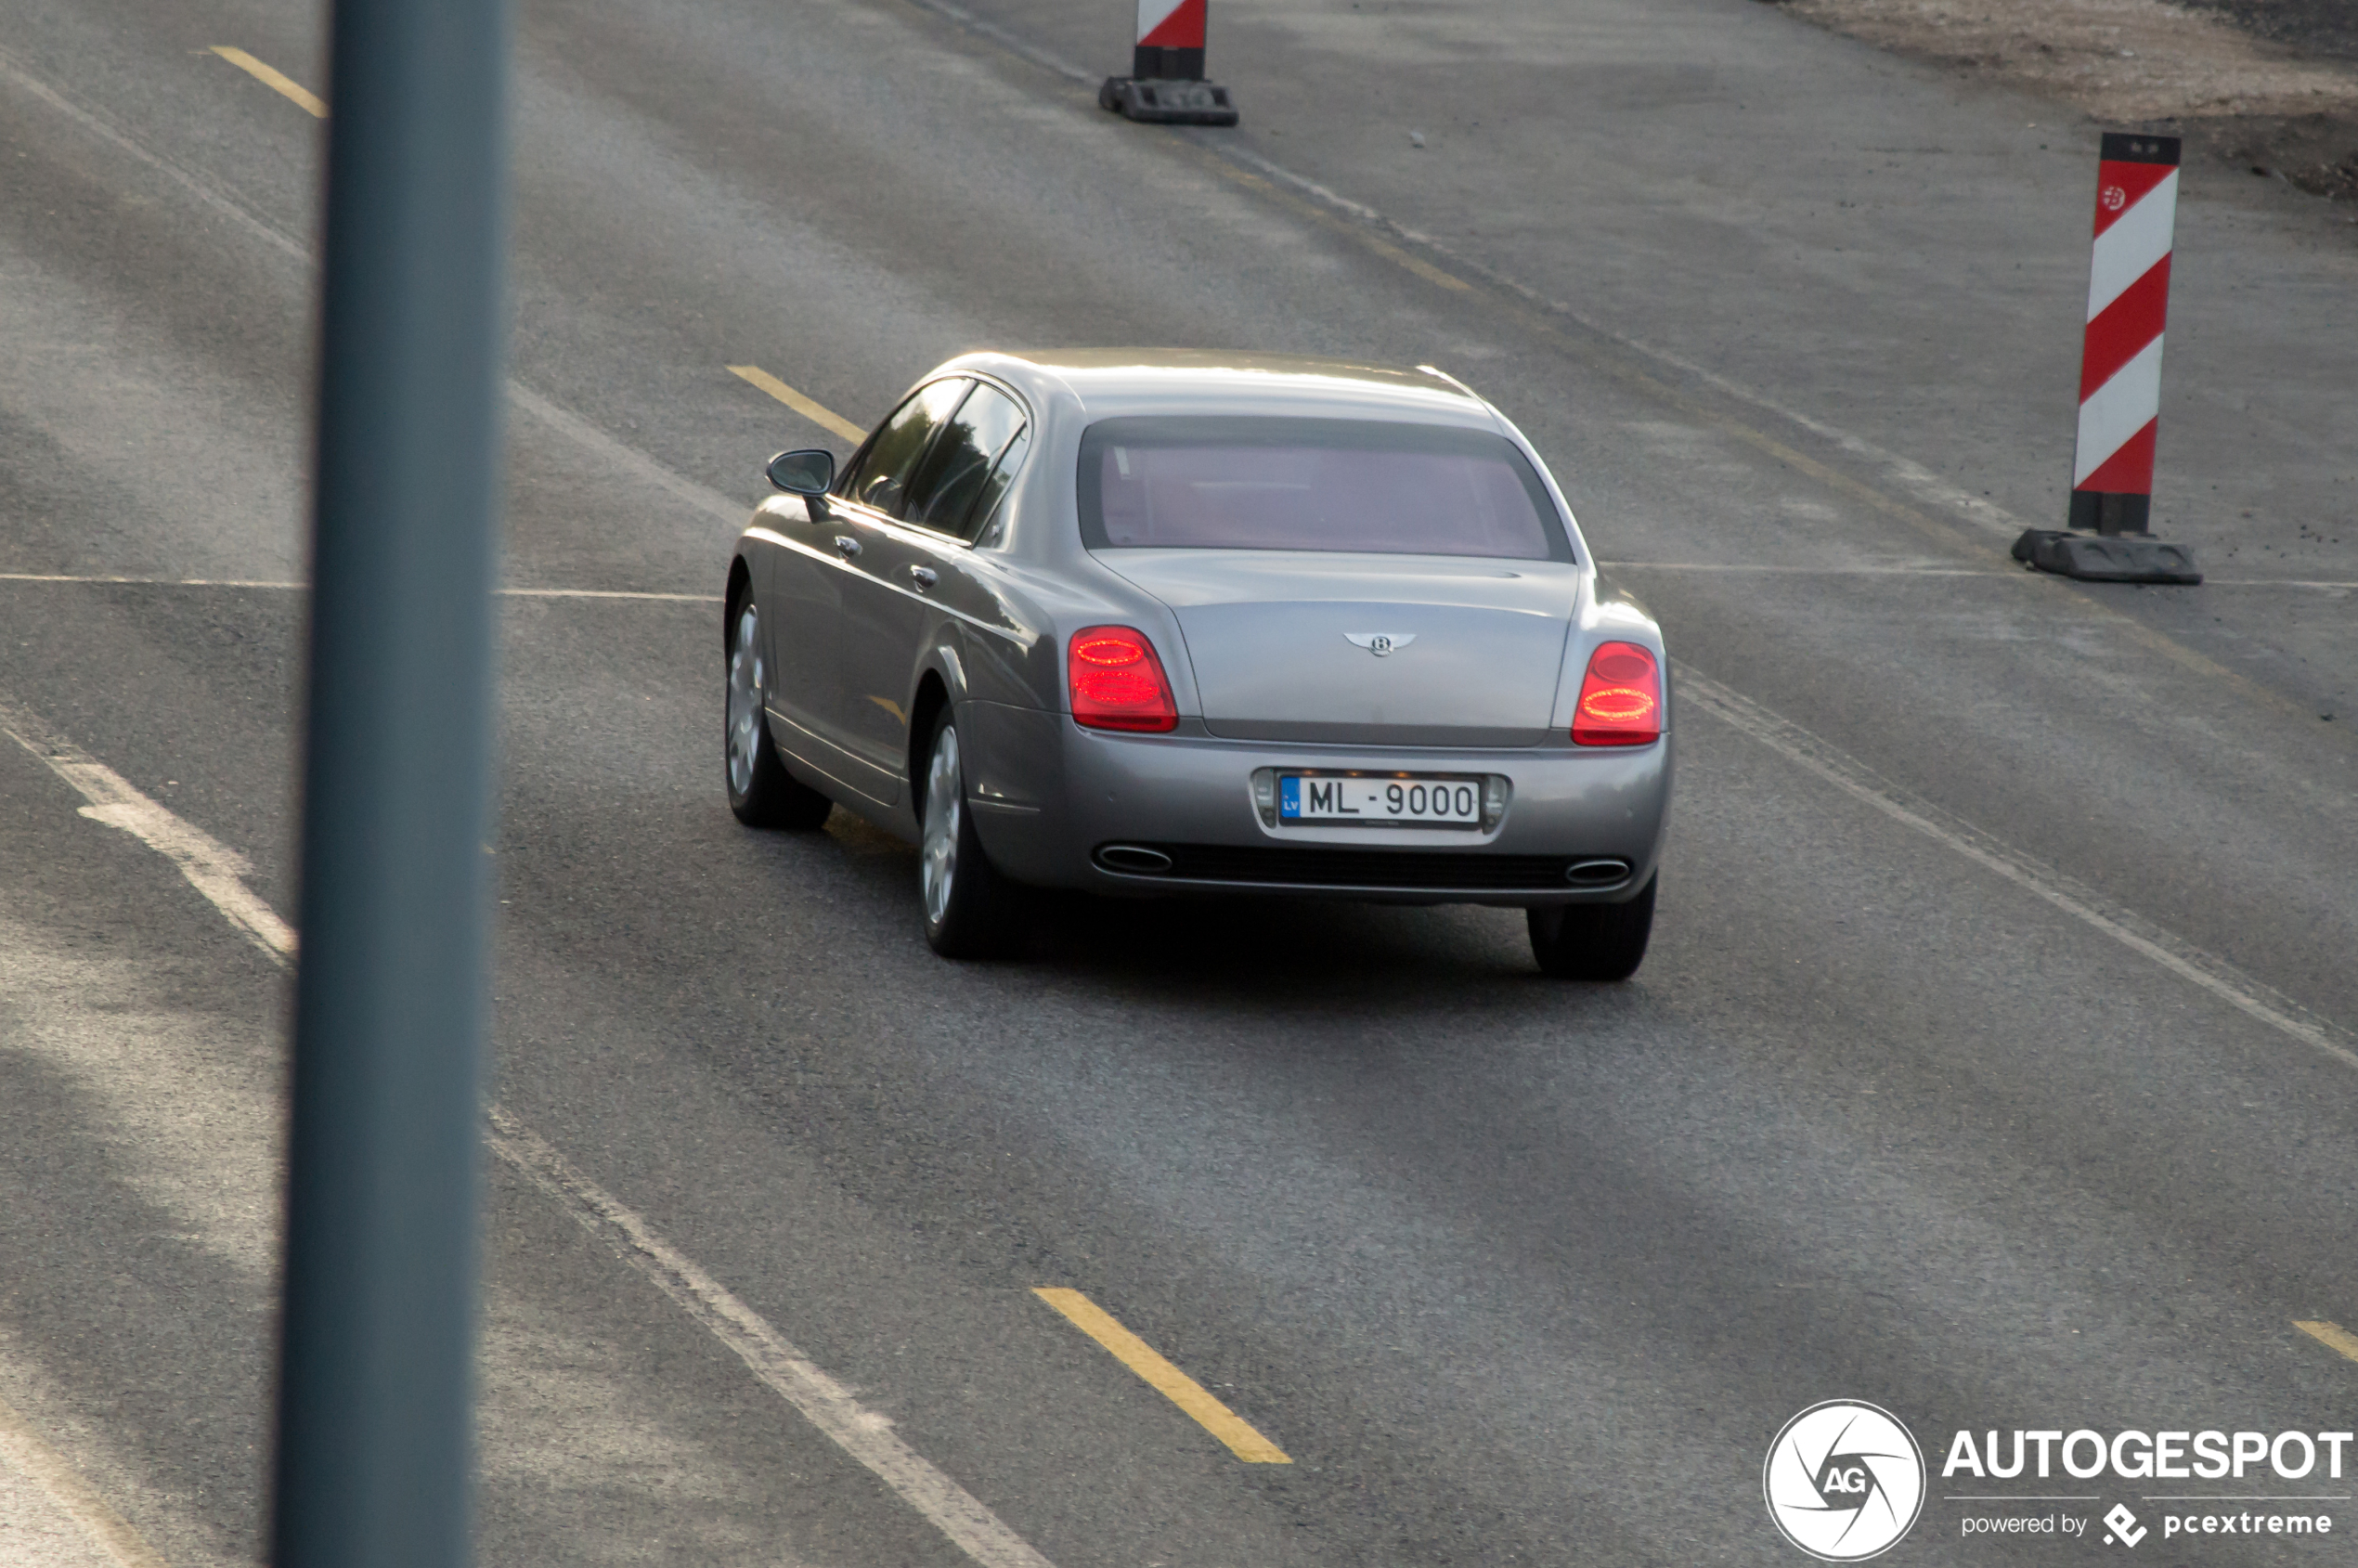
(1380, 643)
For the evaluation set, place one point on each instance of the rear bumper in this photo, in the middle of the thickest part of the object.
(1187, 798)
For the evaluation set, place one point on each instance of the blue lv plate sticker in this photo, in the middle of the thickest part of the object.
(1289, 797)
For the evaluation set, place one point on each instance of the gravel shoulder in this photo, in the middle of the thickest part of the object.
(2268, 85)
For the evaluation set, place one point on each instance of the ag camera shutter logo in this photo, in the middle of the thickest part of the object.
(1844, 1481)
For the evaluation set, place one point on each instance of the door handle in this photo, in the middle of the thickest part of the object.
(923, 577)
(846, 546)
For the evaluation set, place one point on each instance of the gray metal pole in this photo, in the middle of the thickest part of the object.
(375, 1446)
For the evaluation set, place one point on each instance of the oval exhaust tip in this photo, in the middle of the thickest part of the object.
(1133, 857)
(1597, 874)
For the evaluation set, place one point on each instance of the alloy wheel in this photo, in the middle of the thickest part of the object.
(745, 702)
(945, 803)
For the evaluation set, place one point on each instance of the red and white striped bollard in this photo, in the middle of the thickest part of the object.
(1166, 83)
(2112, 470)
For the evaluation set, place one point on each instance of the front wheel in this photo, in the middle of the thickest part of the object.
(969, 907)
(1593, 941)
(761, 792)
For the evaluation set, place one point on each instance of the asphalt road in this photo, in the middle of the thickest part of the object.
(1994, 1061)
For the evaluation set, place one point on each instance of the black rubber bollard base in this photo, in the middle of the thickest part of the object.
(2099, 558)
(1168, 101)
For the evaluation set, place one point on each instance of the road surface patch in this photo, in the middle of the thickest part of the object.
(1164, 1379)
(563, 421)
(105, 1535)
(278, 82)
(301, 587)
(2214, 975)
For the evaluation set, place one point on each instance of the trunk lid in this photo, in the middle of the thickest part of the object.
(1286, 646)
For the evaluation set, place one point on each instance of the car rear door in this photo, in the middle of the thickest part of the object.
(968, 472)
(920, 566)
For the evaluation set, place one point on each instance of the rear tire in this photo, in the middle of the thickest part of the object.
(970, 910)
(1593, 941)
(761, 792)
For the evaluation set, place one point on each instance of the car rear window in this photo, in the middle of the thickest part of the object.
(1232, 482)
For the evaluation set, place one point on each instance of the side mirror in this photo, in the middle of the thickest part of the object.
(803, 474)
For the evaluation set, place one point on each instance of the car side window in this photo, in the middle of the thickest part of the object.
(1003, 474)
(881, 478)
(943, 495)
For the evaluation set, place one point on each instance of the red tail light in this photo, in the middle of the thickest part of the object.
(1620, 699)
(1117, 682)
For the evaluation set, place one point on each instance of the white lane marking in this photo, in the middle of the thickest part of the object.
(212, 867)
(216, 872)
(828, 1406)
(2129, 401)
(2182, 958)
(107, 1536)
(2132, 246)
(558, 417)
(1782, 570)
(107, 581)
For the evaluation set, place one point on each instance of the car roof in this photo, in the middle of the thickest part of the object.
(1110, 382)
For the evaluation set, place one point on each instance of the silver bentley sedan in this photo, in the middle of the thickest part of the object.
(1154, 622)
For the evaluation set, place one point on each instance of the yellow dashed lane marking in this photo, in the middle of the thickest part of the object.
(1166, 1379)
(816, 412)
(278, 82)
(2332, 1334)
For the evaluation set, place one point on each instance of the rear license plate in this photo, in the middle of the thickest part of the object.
(1329, 800)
